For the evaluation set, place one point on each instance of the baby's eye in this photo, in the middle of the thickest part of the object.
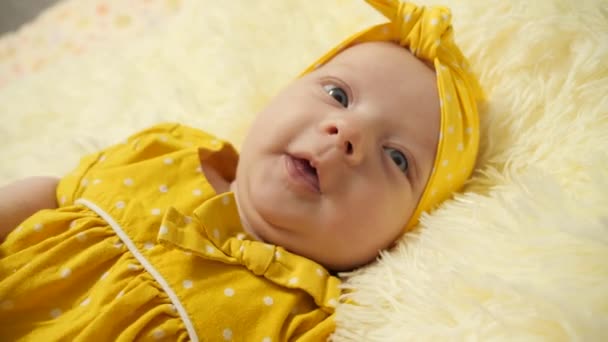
(398, 158)
(338, 94)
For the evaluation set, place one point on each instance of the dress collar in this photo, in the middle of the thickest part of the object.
(215, 233)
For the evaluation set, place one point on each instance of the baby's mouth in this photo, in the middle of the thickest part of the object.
(307, 171)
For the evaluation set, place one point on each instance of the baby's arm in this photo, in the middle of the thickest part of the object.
(21, 199)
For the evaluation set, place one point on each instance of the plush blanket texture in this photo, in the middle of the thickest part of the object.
(520, 254)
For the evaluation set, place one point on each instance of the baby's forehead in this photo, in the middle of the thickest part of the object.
(386, 71)
(381, 56)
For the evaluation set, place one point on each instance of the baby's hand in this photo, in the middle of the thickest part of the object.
(21, 199)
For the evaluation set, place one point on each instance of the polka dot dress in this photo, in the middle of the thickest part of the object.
(142, 248)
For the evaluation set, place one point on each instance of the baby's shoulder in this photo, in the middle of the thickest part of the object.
(160, 154)
(156, 141)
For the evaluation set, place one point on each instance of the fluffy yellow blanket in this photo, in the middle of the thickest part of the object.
(520, 254)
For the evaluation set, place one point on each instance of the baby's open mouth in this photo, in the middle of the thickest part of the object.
(307, 171)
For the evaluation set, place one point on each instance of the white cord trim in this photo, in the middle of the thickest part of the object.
(145, 263)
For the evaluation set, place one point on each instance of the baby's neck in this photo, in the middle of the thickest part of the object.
(219, 183)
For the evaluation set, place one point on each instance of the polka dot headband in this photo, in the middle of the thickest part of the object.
(427, 33)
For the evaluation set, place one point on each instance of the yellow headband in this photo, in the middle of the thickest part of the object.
(428, 34)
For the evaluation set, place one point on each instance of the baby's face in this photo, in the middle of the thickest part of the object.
(333, 167)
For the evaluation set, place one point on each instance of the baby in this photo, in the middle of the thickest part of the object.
(173, 236)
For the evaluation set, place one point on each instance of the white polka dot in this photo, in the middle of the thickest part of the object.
(448, 97)
(81, 236)
(86, 301)
(266, 339)
(128, 181)
(56, 313)
(84, 182)
(7, 304)
(440, 136)
(434, 21)
(293, 281)
(148, 245)
(216, 233)
(163, 138)
(18, 229)
(132, 267)
(120, 294)
(209, 249)
(155, 211)
(440, 103)
(469, 130)
(72, 224)
(66, 272)
(104, 275)
(433, 192)
(187, 219)
(320, 272)
(63, 200)
(199, 169)
(332, 302)
(408, 17)
(445, 163)
(158, 334)
(38, 227)
(227, 333)
(187, 253)
(242, 249)
(163, 230)
(240, 236)
(451, 129)
(102, 158)
(438, 42)
(277, 254)
(168, 161)
(187, 284)
(460, 147)
(228, 292)
(163, 188)
(118, 245)
(449, 176)
(120, 204)
(197, 192)
(96, 181)
(226, 200)
(268, 301)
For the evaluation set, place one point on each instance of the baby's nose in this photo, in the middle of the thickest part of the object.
(348, 136)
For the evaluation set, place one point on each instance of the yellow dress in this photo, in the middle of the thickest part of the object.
(142, 248)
